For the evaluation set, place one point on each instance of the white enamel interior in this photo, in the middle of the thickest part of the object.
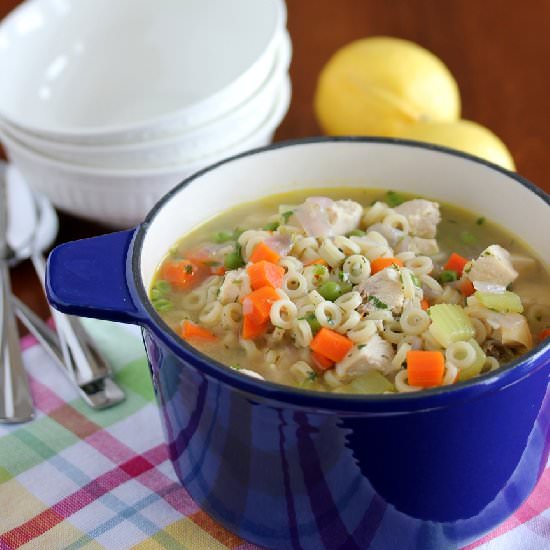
(436, 174)
(65, 65)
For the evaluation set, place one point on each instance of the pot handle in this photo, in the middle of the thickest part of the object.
(88, 278)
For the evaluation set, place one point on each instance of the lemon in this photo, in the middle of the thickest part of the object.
(382, 85)
(463, 135)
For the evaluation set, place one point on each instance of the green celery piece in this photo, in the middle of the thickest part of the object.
(373, 382)
(450, 324)
(504, 302)
(475, 368)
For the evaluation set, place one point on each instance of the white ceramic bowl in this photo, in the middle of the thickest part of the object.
(204, 141)
(121, 198)
(149, 70)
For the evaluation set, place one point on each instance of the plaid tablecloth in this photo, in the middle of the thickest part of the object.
(77, 478)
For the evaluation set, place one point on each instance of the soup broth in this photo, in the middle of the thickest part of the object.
(354, 291)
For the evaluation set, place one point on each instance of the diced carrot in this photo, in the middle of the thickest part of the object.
(318, 261)
(425, 368)
(331, 344)
(466, 287)
(456, 263)
(263, 252)
(424, 304)
(320, 362)
(381, 263)
(264, 273)
(190, 331)
(251, 329)
(257, 304)
(183, 274)
(543, 334)
(217, 269)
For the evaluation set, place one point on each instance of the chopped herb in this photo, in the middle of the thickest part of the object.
(312, 376)
(238, 232)
(286, 215)
(415, 280)
(223, 236)
(361, 346)
(376, 302)
(356, 233)
(394, 199)
(236, 366)
(271, 226)
(467, 238)
(320, 270)
(448, 276)
(188, 269)
(538, 318)
(480, 221)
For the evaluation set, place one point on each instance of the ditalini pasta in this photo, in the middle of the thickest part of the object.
(354, 291)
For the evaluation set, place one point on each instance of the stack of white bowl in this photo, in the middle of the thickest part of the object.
(105, 106)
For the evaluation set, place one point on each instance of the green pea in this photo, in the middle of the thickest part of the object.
(330, 290)
(313, 323)
(223, 236)
(448, 276)
(233, 260)
(162, 304)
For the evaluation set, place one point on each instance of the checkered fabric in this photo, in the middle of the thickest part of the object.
(77, 478)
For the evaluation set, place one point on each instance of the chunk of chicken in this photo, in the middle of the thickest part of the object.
(391, 234)
(323, 217)
(236, 284)
(376, 354)
(423, 216)
(492, 271)
(383, 291)
(418, 245)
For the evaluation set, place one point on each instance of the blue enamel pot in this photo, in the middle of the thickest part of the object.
(286, 468)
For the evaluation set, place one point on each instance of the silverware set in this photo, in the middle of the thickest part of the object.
(69, 345)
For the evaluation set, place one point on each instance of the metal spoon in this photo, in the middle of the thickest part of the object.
(83, 361)
(15, 398)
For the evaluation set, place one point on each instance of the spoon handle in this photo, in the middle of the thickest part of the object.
(15, 397)
(99, 394)
(81, 354)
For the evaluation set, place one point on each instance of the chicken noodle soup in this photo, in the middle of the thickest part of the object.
(363, 292)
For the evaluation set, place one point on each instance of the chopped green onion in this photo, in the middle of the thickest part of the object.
(223, 236)
(416, 280)
(467, 238)
(162, 304)
(236, 366)
(480, 221)
(394, 199)
(448, 276)
(503, 302)
(450, 324)
(475, 368)
(330, 290)
(376, 302)
(372, 382)
(356, 233)
(286, 215)
(271, 226)
(320, 270)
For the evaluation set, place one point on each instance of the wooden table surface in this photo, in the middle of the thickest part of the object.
(498, 50)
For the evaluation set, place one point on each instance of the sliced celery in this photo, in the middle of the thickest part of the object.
(505, 302)
(371, 382)
(475, 368)
(449, 324)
